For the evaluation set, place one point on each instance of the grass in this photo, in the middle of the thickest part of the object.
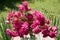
(50, 8)
(46, 7)
(3, 27)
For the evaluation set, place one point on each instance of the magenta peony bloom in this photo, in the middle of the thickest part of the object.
(16, 23)
(48, 21)
(14, 33)
(36, 22)
(33, 25)
(30, 17)
(21, 8)
(20, 34)
(46, 27)
(36, 30)
(26, 9)
(42, 20)
(39, 17)
(25, 24)
(18, 14)
(24, 30)
(8, 31)
(25, 3)
(52, 34)
(50, 28)
(45, 32)
(35, 12)
(10, 15)
(54, 28)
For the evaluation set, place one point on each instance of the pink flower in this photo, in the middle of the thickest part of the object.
(36, 22)
(35, 13)
(45, 35)
(33, 25)
(46, 27)
(52, 34)
(17, 23)
(39, 17)
(24, 30)
(18, 14)
(30, 17)
(8, 31)
(55, 32)
(26, 9)
(42, 20)
(54, 28)
(10, 15)
(36, 30)
(21, 8)
(25, 24)
(50, 28)
(45, 32)
(25, 3)
(14, 33)
(20, 34)
(48, 21)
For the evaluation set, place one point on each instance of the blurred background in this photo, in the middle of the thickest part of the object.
(50, 8)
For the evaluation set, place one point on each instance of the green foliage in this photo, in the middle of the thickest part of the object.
(3, 26)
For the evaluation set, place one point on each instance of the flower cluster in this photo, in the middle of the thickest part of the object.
(25, 22)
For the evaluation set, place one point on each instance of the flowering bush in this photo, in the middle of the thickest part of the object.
(25, 22)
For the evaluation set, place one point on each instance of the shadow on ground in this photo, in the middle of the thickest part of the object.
(9, 4)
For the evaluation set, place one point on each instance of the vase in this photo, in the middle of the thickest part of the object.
(25, 38)
(33, 37)
(28, 37)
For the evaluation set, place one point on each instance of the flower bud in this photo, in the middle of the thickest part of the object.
(48, 21)
(30, 17)
(54, 28)
(21, 8)
(18, 14)
(8, 31)
(10, 15)
(25, 3)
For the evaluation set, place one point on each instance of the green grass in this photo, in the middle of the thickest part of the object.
(3, 27)
(46, 7)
